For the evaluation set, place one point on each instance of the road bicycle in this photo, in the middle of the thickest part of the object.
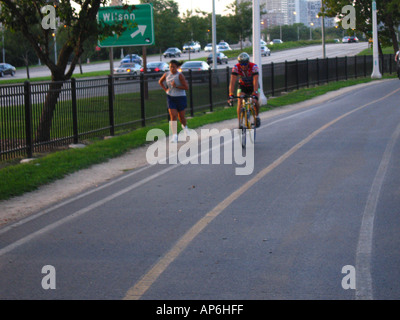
(247, 118)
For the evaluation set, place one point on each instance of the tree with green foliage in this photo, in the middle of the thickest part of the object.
(241, 19)
(388, 16)
(166, 23)
(26, 17)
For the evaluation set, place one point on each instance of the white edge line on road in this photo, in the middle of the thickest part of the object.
(364, 247)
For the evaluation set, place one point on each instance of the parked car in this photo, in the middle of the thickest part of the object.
(132, 58)
(223, 43)
(263, 43)
(349, 39)
(208, 47)
(265, 51)
(199, 67)
(192, 46)
(172, 52)
(156, 68)
(128, 68)
(223, 47)
(221, 58)
(6, 68)
(194, 66)
(353, 39)
(276, 41)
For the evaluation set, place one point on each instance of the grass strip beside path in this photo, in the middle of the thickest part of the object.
(18, 179)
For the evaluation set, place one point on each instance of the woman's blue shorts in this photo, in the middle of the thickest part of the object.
(179, 103)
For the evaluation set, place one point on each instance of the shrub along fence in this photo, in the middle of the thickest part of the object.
(40, 117)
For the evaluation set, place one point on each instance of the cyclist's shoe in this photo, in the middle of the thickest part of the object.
(174, 138)
(258, 122)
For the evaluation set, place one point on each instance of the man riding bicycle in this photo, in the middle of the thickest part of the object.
(248, 82)
(397, 59)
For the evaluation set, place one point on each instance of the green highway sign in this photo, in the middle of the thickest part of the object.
(141, 17)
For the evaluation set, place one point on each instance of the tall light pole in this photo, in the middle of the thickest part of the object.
(257, 47)
(323, 30)
(375, 71)
(214, 37)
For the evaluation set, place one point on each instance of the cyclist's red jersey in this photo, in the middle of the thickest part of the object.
(245, 77)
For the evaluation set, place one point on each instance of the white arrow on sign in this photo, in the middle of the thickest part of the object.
(141, 29)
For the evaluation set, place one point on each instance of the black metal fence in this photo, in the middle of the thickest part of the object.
(40, 117)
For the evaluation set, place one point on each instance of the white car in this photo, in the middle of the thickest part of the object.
(208, 47)
(128, 68)
(265, 51)
(192, 46)
(194, 66)
(223, 47)
(200, 69)
(263, 43)
(223, 43)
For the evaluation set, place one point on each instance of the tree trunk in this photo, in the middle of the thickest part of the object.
(27, 66)
(44, 129)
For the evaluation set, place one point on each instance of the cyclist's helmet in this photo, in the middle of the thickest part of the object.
(243, 58)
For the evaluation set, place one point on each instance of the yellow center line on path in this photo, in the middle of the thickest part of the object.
(140, 288)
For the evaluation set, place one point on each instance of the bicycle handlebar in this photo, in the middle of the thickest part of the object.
(245, 96)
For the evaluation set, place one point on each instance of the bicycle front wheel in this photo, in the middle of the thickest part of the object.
(243, 127)
(252, 124)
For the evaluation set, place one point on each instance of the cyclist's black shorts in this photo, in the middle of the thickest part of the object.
(246, 89)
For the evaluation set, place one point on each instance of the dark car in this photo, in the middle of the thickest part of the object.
(132, 58)
(156, 68)
(172, 52)
(6, 68)
(350, 39)
(221, 58)
(353, 39)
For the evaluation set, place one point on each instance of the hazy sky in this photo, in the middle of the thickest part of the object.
(204, 5)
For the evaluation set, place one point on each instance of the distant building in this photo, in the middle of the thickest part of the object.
(313, 10)
(287, 12)
(116, 3)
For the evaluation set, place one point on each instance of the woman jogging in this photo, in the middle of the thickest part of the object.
(175, 85)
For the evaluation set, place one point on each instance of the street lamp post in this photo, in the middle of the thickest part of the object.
(375, 71)
(311, 24)
(323, 30)
(257, 47)
(214, 37)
